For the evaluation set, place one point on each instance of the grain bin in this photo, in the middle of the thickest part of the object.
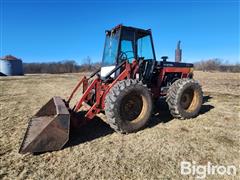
(11, 66)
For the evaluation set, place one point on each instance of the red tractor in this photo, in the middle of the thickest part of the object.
(124, 88)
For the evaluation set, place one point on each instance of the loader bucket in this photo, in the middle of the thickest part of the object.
(48, 129)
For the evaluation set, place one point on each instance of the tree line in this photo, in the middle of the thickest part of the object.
(216, 64)
(70, 66)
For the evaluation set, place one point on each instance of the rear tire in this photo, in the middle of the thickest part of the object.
(185, 98)
(128, 106)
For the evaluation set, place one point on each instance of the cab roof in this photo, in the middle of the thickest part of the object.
(130, 28)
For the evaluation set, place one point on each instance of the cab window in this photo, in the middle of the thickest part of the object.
(127, 50)
(144, 48)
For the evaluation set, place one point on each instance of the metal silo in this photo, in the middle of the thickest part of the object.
(11, 66)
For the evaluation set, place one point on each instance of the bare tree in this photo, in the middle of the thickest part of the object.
(216, 64)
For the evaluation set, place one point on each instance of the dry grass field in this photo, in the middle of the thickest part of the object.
(97, 152)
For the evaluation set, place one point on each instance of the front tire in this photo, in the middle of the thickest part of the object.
(128, 106)
(185, 98)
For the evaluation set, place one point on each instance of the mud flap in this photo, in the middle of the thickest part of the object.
(48, 130)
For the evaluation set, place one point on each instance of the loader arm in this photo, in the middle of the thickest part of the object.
(101, 89)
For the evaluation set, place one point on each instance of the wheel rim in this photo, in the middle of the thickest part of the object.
(189, 100)
(133, 107)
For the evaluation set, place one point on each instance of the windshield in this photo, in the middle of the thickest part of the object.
(110, 49)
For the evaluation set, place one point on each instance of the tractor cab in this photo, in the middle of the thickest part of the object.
(127, 43)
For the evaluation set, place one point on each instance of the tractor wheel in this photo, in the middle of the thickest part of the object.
(128, 106)
(185, 98)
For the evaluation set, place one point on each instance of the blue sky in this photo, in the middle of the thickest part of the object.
(47, 30)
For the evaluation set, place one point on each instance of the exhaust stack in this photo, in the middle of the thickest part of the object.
(178, 53)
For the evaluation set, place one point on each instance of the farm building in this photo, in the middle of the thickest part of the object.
(10, 66)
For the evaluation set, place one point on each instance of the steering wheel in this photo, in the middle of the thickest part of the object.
(123, 55)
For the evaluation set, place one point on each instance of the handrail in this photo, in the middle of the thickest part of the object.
(114, 70)
(94, 73)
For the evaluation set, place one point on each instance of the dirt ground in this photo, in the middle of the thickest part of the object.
(97, 152)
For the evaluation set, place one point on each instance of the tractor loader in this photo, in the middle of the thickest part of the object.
(124, 88)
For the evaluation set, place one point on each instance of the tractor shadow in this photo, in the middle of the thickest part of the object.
(206, 107)
(162, 114)
(96, 128)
